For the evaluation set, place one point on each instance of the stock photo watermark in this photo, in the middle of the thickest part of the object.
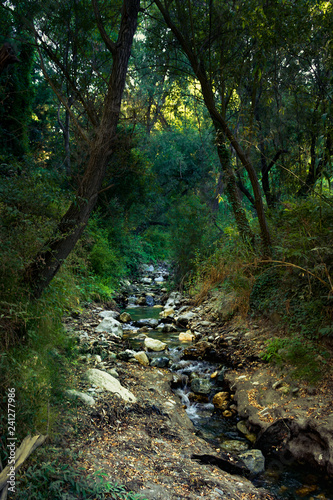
(11, 439)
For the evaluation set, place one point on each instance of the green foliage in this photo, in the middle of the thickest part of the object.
(303, 356)
(63, 482)
(191, 234)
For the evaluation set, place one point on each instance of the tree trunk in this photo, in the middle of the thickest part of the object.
(219, 122)
(48, 262)
(7, 56)
(229, 178)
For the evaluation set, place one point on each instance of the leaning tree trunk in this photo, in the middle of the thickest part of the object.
(48, 262)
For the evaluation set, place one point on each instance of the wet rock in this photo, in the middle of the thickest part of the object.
(152, 323)
(142, 358)
(198, 398)
(169, 328)
(125, 317)
(254, 461)
(160, 362)
(242, 428)
(201, 386)
(234, 446)
(154, 345)
(106, 381)
(220, 400)
(85, 398)
(227, 414)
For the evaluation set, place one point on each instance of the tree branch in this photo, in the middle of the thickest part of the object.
(105, 37)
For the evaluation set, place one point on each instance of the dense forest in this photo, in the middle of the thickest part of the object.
(198, 133)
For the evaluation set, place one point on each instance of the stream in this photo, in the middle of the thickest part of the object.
(282, 480)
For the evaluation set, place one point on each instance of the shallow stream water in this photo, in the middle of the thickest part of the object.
(282, 479)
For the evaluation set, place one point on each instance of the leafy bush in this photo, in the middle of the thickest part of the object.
(63, 482)
(308, 364)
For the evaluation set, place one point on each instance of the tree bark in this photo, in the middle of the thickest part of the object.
(48, 262)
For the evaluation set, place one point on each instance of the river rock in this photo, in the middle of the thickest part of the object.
(85, 398)
(254, 461)
(154, 344)
(125, 317)
(183, 319)
(109, 314)
(201, 350)
(234, 446)
(167, 313)
(109, 383)
(151, 322)
(110, 325)
(242, 427)
(160, 362)
(142, 358)
(186, 336)
(220, 400)
(201, 385)
(169, 328)
(173, 300)
(126, 355)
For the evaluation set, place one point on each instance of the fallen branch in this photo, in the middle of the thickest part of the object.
(28, 445)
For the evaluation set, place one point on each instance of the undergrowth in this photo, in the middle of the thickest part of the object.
(54, 481)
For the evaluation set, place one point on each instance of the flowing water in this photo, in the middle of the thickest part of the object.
(283, 479)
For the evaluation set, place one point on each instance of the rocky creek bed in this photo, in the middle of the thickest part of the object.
(140, 387)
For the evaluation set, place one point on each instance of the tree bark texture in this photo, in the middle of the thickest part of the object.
(48, 262)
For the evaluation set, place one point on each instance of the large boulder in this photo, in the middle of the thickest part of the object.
(110, 325)
(109, 383)
(154, 344)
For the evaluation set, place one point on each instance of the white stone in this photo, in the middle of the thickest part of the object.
(109, 383)
(110, 325)
(108, 314)
(154, 345)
